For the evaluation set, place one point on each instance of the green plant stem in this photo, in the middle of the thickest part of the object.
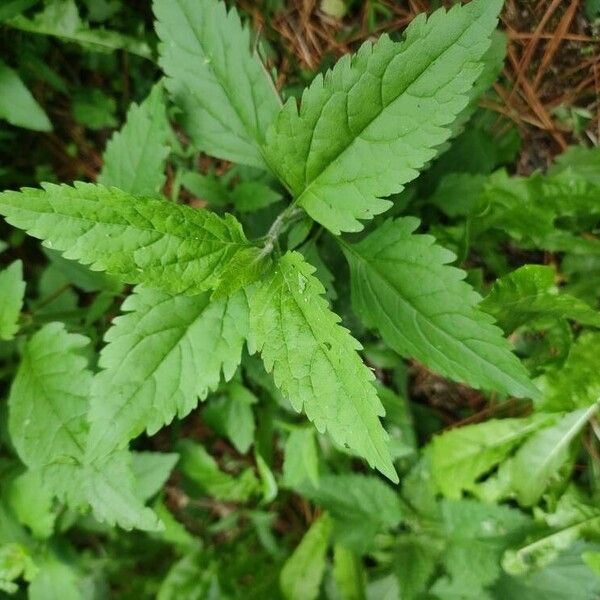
(281, 224)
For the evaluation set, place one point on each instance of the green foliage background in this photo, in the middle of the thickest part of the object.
(286, 344)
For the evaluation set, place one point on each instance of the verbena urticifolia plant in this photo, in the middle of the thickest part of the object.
(355, 138)
(315, 208)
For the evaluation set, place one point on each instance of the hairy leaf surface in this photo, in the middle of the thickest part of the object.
(227, 98)
(366, 128)
(315, 361)
(164, 354)
(403, 286)
(142, 240)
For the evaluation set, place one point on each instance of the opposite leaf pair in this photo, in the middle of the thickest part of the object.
(361, 133)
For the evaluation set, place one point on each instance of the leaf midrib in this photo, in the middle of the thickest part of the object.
(569, 435)
(291, 291)
(51, 211)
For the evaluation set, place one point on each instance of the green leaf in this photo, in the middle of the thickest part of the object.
(403, 286)
(163, 355)
(529, 293)
(385, 588)
(301, 459)
(17, 105)
(366, 128)
(226, 96)
(80, 276)
(493, 62)
(314, 360)
(303, 571)
(476, 535)
(582, 272)
(362, 506)
(267, 479)
(93, 109)
(10, 8)
(573, 507)
(538, 211)
(576, 383)
(32, 503)
(56, 580)
(191, 578)
(247, 266)
(322, 271)
(140, 239)
(174, 532)
(592, 9)
(15, 562)
(538, 461)
(208, 188)
(545, 549)
(554, 582)
(231, 415)
(334, 8)
(112, 491)
(415, 561)
(48, 404)
(202, 470)
(458, 194)
(460, 456)
(580, 161)
(61, 19)
(11, 531)
(246, 196)
(11, 299)
(250, 196)
(134, 159)
(48, 398)
(348, 573)
(100, 11)
(592, 560)
(398, 422)
(151, 471)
